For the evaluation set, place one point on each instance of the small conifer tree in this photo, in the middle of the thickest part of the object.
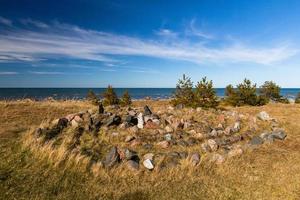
(270, 90)
(126, 99)
(244, 94)
(110, 97)
(205, 95)
(184, 92)
(92, 97)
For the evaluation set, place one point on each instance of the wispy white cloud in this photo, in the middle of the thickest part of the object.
(193, 30)
(166, 33)
(8, 73)
(63, 40)
(36, 23)
(5, 21)
(45, 73)
(107, 70)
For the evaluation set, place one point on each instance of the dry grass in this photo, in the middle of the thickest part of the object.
(270, 172)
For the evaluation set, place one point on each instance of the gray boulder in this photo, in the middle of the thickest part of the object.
(112, 158)
(256, 140)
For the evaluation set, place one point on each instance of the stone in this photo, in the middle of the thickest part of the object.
(199, 136)
(235, 152)
(151, 125)
(191, 141)
(70, 117)
(236, 127)
(131, 120)
(111, 158)
(38, 132)
(62, 123)
(147, 146)
(256, 140)
(168, 129)
(148, 164)
(212, 145)
(132, 165)
(132, 113)
(177, 124)
(213, 133)
(147, 111)
(114, 120)
(228, 131)
(183, 155)
(140, 119)
(217, 158)
(195, 159)
(78, 119)
(220, 127)
(182, 143)
(163, 144)
(129, 138)
(100, 108)
(205, 147)
(131, 155)
(264, 116)
(74, 123)
(168, 137)
(136, 142)
(148, 156)
(278, 134)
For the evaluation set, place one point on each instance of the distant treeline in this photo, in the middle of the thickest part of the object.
(204, 95)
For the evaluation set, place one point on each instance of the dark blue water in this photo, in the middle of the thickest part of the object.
(80, 93)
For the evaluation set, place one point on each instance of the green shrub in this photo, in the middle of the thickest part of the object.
(184, 92)
(205, 95)
(126, 99)
(110, 97)
(92, 97)
(244, 94)
(270, 90)
(297, 100)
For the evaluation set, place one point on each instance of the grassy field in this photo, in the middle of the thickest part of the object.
(270, 172)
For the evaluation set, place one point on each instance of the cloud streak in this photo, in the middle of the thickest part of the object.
(5, 21)
(45, 73)
(58, 40)
(9, 73)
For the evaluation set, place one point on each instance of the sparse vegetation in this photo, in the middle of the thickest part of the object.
(126, 99)
(25, 176)
(92, 97)
(244, 94)
(205, 95)
(110, 97)
(271, 91)
(184, 92)
(297, 100)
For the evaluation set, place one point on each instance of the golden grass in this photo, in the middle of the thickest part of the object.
(269, 172)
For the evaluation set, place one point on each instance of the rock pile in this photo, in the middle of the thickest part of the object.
(140, 139)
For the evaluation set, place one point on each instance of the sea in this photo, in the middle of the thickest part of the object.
(80, 93)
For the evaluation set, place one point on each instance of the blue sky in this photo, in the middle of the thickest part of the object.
(148, 43)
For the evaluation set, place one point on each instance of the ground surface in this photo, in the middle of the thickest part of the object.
(270, 172)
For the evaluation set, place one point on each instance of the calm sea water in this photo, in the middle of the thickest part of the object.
(80, 93)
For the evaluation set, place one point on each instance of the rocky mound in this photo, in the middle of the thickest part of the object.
(140, 139)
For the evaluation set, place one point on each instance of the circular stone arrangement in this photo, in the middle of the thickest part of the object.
(140, 139)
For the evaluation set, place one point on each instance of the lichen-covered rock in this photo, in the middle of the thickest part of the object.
(195, 159)
(112, 158)
(212, 145)
(264, 116)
